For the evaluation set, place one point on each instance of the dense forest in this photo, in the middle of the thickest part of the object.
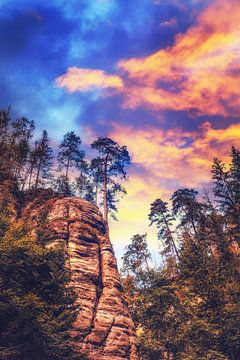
(189, 307)
(186, 308)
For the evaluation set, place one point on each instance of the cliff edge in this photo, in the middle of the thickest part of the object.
(103, 328)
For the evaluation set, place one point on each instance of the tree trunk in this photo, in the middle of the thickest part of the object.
(96, 199)
(80, 185)
(172, 239)
(38, 173)
(30, 175)
(105, 192)
(67, 168)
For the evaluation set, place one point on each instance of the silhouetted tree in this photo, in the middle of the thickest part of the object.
(44, 158)
(160, 215)
(137, 255)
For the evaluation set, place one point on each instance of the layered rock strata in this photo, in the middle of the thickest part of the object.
(103, 328)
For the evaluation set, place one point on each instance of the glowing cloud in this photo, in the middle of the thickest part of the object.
(200, 72)
(77, 79)
(166, 161)
(167, 157)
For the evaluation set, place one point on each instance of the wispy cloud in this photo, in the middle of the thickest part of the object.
(169, 23)
(76, 79)
(177, 157)
(169, 160)
(199, 73)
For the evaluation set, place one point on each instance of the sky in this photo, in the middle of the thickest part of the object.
(160, 76)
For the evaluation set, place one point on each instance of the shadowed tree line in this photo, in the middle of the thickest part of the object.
(189, 307)
(36, 297)
(32, 164)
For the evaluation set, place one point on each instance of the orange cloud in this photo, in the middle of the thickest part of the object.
(176, 156)
(169, 160)
(200, 72)
(77, 79)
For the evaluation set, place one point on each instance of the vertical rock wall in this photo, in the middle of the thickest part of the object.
(103, 328)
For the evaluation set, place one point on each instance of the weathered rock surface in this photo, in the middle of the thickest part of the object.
(103, 328)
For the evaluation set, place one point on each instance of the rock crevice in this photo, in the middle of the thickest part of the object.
(103, 327)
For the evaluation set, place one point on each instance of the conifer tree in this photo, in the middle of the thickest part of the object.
(114, 158)
(194, 315)
(64, 187)
(96, 173)
(4, 122)
(44, 158)
(186, 207)
(70, 155)
(21, 134)
(227, 192)
(160, 215)
(15, 136)
(85, 187)
(32, 163)
(137, 255)
(114, 191)
(82, 181)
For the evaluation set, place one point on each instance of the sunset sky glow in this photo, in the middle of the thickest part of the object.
(160, 76)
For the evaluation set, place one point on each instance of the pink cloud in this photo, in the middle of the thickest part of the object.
(78, 79)
(200, 72)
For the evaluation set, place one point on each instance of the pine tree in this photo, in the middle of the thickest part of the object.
(5, 120)
(85, 187)
(136, 256)
(114, 192)
(64, 187)
(186, 207)
(160, 215)
(44, 158)
(15, 136)
(114, 158)
(32, 163)
(83, 181)
(96, 174)
(70, 155)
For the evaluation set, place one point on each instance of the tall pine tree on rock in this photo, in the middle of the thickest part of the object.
(70, 154)
(114, 158)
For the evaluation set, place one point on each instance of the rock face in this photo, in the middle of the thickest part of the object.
(103, 328)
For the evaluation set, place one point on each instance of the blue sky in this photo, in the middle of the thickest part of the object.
(176, 104)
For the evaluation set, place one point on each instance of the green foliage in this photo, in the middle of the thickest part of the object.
(36, 300)
(194, 312)
(42, 158)
(32, 167)
(136, 256)
(15, 136)
(186, 207)
(106, 168)
(160, 215)
(70, 155)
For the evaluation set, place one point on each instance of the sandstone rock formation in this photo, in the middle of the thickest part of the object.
(103, 328)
